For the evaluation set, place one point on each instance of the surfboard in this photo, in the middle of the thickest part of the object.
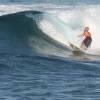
(76, 49)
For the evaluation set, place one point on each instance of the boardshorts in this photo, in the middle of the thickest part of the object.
(87, 41)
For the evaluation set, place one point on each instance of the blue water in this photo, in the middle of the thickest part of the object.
(46, 78)
(35, 66)
(64, 2)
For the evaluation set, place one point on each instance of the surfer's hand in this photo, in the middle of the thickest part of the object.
(80, 35)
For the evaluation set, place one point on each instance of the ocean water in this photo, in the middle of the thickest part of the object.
(36, 61)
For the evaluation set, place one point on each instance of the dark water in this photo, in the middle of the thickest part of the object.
(35, 72)
(46, 78)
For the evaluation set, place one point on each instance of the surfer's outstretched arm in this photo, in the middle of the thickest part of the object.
(80, 35)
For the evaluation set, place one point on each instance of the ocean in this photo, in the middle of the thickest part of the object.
(36, 61)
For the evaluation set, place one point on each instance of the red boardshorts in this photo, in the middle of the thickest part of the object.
(87, 41)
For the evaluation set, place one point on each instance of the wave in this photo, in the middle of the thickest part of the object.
(22, 32)
(77, 19)
(41, 32)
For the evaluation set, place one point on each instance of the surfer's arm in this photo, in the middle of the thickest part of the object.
(80, 35)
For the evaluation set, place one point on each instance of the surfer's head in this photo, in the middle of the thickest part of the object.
(86, 29)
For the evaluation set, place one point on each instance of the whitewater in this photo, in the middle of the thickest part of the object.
(36, 61)
(71, 23)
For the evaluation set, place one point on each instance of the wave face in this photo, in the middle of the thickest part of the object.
(41, 32)
(23, 32)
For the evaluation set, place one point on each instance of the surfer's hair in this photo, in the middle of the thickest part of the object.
(86, 28)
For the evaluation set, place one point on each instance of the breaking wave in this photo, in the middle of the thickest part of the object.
(40, 32)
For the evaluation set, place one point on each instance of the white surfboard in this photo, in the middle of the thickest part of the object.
(76, 49)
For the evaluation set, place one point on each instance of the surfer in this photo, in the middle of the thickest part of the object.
(87, 41)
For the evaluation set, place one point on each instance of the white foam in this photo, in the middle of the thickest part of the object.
(75, 17)
(50, 30)
(80, 17)
(16, 7)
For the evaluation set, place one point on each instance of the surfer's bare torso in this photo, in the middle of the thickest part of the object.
(87, 41)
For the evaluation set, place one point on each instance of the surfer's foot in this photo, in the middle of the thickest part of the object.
(71, 45)
(83, 47)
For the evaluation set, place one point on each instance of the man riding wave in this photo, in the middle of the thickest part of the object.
(87, 41)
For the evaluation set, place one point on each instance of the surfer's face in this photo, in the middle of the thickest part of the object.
(86, 29)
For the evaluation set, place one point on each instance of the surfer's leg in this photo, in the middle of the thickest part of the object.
(88, 42)
(85, 43)
(83, 46)
(71, 45)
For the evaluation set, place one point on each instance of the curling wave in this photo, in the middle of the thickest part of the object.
(25, 32)
(37, 32)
